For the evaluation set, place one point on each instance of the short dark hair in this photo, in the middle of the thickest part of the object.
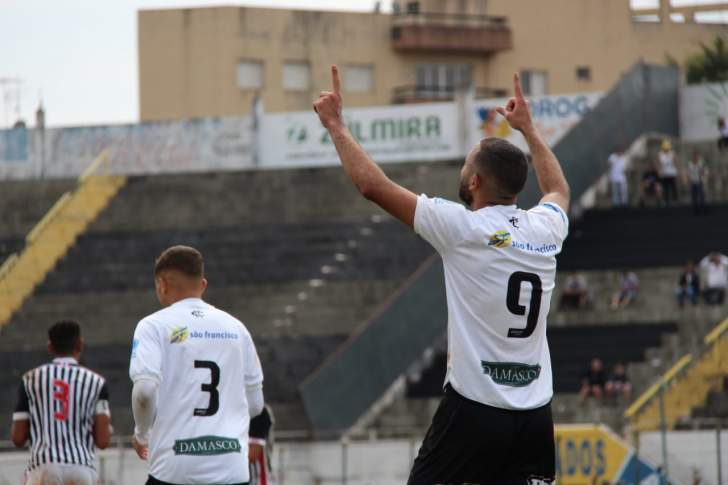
(505, 162)
(184, 259)
(64, 336)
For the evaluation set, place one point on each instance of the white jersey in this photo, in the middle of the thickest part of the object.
(203, 359)
(500, 266)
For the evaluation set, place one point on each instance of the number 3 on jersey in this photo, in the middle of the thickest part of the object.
(211, 387)
(534, 307)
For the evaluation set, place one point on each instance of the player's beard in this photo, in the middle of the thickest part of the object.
(464, 193)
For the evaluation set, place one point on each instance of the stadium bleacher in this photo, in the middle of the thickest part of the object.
(303, 260)
(295, 254)
(23, 204)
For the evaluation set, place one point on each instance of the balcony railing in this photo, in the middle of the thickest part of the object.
(441, 32)
(422, 94)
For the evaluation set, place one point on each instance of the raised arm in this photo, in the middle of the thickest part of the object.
(551, 180)
(368, 178)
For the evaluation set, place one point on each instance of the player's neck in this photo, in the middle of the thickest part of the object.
(75, 356)
(489, 200)
(184, 296)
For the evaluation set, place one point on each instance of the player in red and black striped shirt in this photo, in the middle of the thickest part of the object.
(63, 408)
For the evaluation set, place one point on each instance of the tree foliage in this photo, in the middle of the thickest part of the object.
(709, 65)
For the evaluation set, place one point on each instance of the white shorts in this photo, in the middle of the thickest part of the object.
(61, 474)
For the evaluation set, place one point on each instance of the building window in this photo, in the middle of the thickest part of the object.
(413, 8)
(441, 80)
(296, 76)
(249, 75)
(359, 79)
(583, 73)
(534, 83)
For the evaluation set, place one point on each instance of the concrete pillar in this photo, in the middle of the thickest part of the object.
(664, 8)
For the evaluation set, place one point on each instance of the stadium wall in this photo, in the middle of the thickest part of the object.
(431, 131)
(700, 107)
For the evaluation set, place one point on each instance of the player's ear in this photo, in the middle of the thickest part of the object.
(80, 343)
(50, 348)
(203, 285)
(475, 181)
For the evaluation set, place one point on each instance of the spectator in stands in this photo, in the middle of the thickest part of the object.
(723, 137)
(714, 268)
(650, 189)
(618, 383)
(593, 381)
(697, 175)
(575, 292)
(617, 178)
(668, 171)
(688, 285)
(629, 287)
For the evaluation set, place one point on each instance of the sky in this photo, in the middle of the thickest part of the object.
(80, 56)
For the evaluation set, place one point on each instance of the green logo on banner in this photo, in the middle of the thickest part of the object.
(206, 445)
(511, 373)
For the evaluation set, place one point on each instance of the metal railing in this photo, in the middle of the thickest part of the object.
(449, 20)
(415, 92)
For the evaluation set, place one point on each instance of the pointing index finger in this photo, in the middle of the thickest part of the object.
(517, 85)
(335, 79)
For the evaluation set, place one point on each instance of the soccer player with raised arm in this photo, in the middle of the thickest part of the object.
(494, 425)
(197, 381)
(63, 408)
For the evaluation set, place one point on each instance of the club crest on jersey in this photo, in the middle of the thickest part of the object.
(179, 335)
(500, 239)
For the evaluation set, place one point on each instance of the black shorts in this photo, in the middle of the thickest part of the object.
(474, 444)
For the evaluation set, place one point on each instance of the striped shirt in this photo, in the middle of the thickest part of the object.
(61, 399)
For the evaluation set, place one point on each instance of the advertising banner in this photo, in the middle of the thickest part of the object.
(553, 115)
(587, 454)
(388, 134)
(416, 132)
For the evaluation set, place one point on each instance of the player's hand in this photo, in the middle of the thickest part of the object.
(328, 105)
(517, 112)
(141, 450)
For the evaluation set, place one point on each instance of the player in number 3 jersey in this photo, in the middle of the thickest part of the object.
(494, 425)
(197, 381)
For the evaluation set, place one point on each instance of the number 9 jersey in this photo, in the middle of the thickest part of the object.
(202, 360)
(500, 266)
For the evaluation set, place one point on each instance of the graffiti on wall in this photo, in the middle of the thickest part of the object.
(208, 144)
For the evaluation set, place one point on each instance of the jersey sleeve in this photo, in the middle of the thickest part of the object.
(146, 353)
(102, 403)
(22, 407)
(260, 425)
(253, 369)
(555, 218)
(442, 223)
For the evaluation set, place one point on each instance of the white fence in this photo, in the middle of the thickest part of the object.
(380, 462)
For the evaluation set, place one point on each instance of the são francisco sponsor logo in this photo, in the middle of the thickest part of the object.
(542, 249)
(503, 239)
(179, 334)
(500, 239)
(206, 445)
(511, 374)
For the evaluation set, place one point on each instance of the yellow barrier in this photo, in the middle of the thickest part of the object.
(54, 234)
(652, 391)
(716, 332)
(685, 386)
